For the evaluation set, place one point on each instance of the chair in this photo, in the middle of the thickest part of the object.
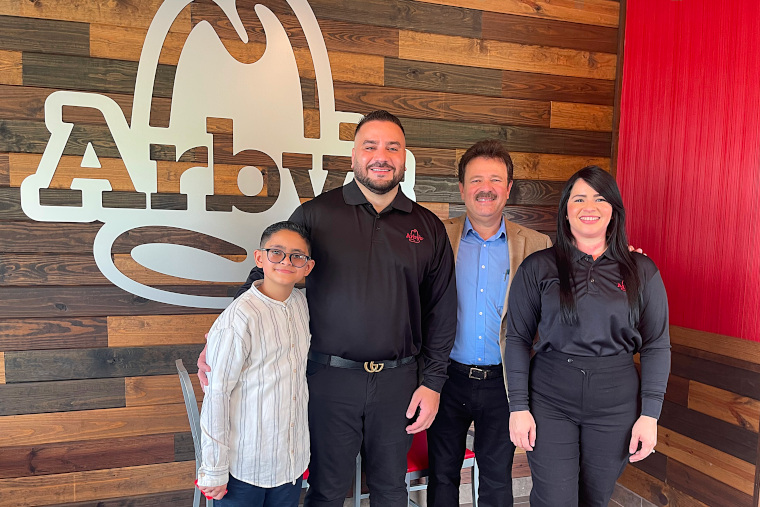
(416, 468)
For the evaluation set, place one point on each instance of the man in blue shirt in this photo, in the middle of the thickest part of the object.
(488, 248)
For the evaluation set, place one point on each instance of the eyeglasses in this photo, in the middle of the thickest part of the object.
(275, 255)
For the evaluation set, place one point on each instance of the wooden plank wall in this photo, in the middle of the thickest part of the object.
(708, 437)
(90, 406)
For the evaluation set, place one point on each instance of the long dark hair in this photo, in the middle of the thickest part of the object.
(617, 244)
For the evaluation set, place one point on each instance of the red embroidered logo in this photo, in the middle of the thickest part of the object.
(621, 285)
(414, 236)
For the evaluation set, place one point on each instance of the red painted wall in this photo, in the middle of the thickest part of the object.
(689, 155)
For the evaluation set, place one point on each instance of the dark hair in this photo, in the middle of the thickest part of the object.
(379, 115)
(285, 226)
(489, 148)
(617, 244)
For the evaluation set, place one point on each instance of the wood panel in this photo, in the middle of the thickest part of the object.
(141, 330)
(524, 85)
(132, 269)
(45, 459)
(10, 68)
(435, 161)
(183, 497)
(96, 484)
(441, 77)
(544, 166)
(42, 365)
(729, 346)
(678, 390)
(592, 12)
(505, 55)
(707, 371)
(700, 485)
(184, 449)
(524, 192)
(724, 405)
(63, 396)
(157, 390)
(566, 115)
(440, 209)
(656, 491)
(38, 334)
(46, 269)
(61, 37)
(2, 367)
(5, 169)
(33, 429)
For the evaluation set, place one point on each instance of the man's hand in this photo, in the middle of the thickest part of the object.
(637, 250)
(522, 429)
(427, 400)
(644, 431)
(213, 492)
(203, 368)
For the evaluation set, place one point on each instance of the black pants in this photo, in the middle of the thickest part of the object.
(348, 409)
(464, 400)
(584, 408)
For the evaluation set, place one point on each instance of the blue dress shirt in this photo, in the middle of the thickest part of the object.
(482, 269)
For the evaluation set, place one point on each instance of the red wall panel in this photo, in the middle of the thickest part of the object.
(689, 155)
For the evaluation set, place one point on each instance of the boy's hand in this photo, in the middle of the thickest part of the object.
(203, 367)
(213, 492)
(427, 400)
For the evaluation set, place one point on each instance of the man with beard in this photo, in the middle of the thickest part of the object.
(382, 299)
(488, 248)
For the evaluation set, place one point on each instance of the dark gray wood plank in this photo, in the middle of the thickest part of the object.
(49, 269)
(41, 334)
(701, 367)
(44, 36)
(704, 488)
(441, 77)
(183, 447)
(114, 362)
(63, 396)
(524, 192)
(534, 217)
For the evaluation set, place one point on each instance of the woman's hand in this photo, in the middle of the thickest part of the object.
(522, 429)
(644, 432)
(213, 492)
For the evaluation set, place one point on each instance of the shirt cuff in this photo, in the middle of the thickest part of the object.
(651, 407)
(434, 383)
(210, 477)
(513, 407)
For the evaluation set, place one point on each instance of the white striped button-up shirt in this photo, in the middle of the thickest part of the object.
(254, 416)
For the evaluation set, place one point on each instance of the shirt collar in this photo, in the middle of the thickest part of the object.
(501, 233)
(353, 196)
(578, 255)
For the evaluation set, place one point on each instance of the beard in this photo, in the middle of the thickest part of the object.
(378, 187)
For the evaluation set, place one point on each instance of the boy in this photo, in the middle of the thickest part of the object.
(255, 436)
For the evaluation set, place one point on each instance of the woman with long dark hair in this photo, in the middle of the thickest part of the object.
(585, 306)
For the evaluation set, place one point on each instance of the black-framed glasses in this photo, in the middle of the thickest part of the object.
(275, 255)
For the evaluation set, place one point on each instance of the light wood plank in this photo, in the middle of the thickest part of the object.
(148, 330)
(725, 405)
(505, 55)
(2, 367)
(98, 484)
(590, 12)
(10, 68)
(723, 467)
(157, 390)
(30, 429)
(127, 265)
(545, 166)
(567, 115)
(126, 43)
(134, 13)
(441, 209)
(736, 348)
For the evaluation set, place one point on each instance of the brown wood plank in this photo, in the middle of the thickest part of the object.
(49, 269)
(2, 367)
(441, 209)
(85, 73)
(184, 449)
(699, 366)
(543, 32)
(591, 12)
(435, 161)
(35, 429)
(524, 192)
(525, 85)
(136, 13)
(157, 390)
(64, 396)
(655, 465)
(656, 491)
(713, 433)
(458, 50)
(678, 390)
(43, 365)
(57, 458)
(98, 484)
(404, 14)
(536, 217)
(141, 330)
(542, 166)
(445, 134)
(441, 77)
(125, 43)
(440, 105)
(5, 169)
(567, 115)
(60, 37)
(169, 498)
(520, 466)
(11, 71)
(724, 405)
(736, 348)
(722, 467)
(40, 334)
(706, 488)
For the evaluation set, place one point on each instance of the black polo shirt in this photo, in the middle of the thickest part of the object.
(603, 328)
(383, 284)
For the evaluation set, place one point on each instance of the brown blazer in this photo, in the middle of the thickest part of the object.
(521, 242)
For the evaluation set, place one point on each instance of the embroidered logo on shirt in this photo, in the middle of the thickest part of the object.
(621, 285)
(414, 236)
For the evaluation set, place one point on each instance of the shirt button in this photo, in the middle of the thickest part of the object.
(480, 337)
(294, 370)
(483, 266)
(480, 313)
(481, 290)
(294, 398)
(592, 280)
(569, 360)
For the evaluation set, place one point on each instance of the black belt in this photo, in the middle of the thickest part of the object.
(368, 366)
(478, 372)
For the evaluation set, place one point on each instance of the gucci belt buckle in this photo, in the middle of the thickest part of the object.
(373, 367)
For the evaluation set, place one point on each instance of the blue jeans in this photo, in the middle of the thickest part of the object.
(242, 494)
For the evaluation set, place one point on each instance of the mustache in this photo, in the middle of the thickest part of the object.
(487, 195)
(384, 165)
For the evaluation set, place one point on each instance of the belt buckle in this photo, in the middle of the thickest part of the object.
(373, 367)
(483, 373)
